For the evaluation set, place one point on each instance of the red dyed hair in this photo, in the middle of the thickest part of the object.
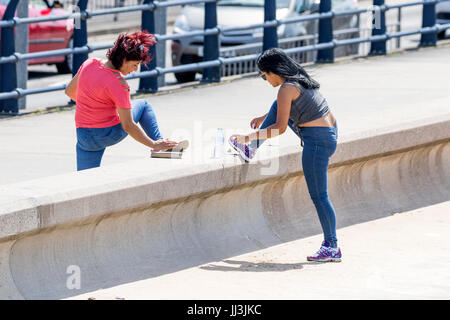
(133, 46)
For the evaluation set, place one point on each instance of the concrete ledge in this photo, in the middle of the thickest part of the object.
(142, 219)
(80, 197)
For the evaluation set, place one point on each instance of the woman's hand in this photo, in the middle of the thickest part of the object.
(240, 138)
(161, 145)
(256, 122)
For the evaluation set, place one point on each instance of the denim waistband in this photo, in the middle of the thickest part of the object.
(309, 132)
(319, 129)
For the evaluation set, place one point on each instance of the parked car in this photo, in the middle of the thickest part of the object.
(442, 16)
(234, 13)
(51, 35)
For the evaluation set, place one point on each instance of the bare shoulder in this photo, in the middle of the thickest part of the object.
(289, 90)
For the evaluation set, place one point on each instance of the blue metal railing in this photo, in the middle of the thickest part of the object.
(9, 93)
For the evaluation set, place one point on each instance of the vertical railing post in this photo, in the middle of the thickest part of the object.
(379, 28)
(211, 47)
(399, 26)
(149, 85)
(325, 34)
(270, 39)
(118, 3)
(22, 40)
(428, 20)
(161, 28)
(8, 72)
(80, 37)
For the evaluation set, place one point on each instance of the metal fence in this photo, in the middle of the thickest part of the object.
(361, 49)
(212, 61)
(103, 4)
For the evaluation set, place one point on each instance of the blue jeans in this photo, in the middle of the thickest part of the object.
(92, 142)
(319, 145)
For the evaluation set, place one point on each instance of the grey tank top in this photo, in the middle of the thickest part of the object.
(308, 106)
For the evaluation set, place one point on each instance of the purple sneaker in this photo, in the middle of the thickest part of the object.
(326, 254)
(245, 151)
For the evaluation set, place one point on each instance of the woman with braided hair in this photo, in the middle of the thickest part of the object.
(301, 107)
(104, 113)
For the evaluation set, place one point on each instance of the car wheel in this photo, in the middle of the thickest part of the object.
(66, 66)
(441, 35)
(353, 49)
(188, 76)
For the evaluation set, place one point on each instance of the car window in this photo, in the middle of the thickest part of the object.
(314, 4)
(302, 5)
(252, 3)
(38, 4)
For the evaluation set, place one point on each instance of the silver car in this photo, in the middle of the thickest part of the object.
(442, 16)
(235, 13)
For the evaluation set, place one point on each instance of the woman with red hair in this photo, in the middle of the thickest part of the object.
(104, 113)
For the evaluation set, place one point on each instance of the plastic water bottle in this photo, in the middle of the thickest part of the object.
(219, 145)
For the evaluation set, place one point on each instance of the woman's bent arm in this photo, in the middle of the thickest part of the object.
(71, 89)
(284, 99)
(134, 131)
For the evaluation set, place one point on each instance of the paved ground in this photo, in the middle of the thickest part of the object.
(364, 94)
(104, 30)
(399, 257)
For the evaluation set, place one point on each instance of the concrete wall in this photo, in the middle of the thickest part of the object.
(125, 222)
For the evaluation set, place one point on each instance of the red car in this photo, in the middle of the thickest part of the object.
(51, 35)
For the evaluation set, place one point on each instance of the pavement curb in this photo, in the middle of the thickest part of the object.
(159, 220)
(81, 197)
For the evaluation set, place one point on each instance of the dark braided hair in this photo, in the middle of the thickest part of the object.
(276, 61)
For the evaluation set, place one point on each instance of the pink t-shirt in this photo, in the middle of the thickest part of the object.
(100, 91)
